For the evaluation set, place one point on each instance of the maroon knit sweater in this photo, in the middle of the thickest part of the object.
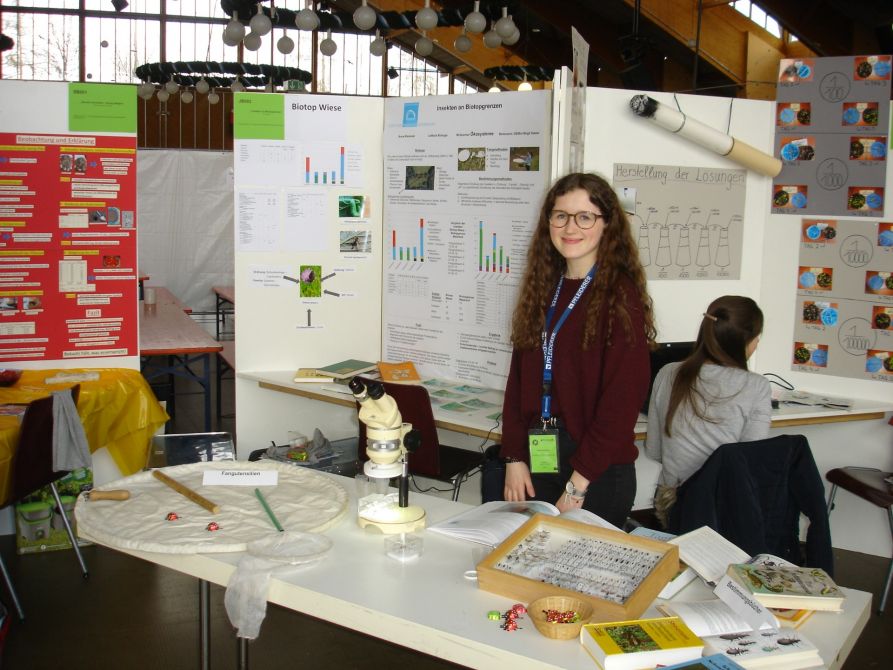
(597, 392)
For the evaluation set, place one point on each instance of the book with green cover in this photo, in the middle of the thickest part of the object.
(789, 587)
(348, 368)
(640, 643)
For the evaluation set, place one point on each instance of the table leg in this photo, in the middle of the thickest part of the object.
(204, 623)
(242, 657)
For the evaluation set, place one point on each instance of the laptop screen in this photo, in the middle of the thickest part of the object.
(666, 352)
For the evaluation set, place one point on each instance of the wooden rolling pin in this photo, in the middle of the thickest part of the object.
(111, 494)
(186, 491)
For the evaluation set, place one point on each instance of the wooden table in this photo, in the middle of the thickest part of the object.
(119, 413)
(224, 295)
(176, 343)
(429, 605)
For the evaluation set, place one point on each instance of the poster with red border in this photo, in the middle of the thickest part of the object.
(68, 255)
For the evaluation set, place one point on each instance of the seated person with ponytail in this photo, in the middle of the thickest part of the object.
(709, 399)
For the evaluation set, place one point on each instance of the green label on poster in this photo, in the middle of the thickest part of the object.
(102, 108)
(259, 116)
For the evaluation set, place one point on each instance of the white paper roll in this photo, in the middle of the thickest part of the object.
(703, 135)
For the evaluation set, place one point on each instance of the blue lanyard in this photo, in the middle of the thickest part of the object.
(548, 340)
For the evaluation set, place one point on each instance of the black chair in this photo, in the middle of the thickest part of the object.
(753, 493)
(432, 459)
(872, 485)
(32, 469)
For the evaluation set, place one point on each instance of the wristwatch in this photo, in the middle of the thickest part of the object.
(573, 491)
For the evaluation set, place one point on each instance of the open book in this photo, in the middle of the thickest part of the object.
(493, 522)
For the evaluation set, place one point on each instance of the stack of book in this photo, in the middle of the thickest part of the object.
(762, 601)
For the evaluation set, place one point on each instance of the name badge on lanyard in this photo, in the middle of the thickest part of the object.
(543, 443)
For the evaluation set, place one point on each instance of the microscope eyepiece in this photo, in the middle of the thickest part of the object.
(375, 390)
(356, 386)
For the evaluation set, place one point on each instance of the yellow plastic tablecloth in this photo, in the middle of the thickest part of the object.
(119, 412)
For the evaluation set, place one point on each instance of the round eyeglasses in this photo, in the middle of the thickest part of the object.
(584, 220)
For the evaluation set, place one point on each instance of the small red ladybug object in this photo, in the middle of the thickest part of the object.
(171, 516)
(213, 526)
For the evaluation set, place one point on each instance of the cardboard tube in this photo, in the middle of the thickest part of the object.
(704, 136)
(754, 159)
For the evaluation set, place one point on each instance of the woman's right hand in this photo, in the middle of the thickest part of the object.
(518, 485)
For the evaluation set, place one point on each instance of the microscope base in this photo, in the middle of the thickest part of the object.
(409, 519)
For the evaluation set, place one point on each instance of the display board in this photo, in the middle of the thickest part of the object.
(688, 221)
(68, 225)
(464, 180)
(845, 299)
(831, 133)
(307, 227)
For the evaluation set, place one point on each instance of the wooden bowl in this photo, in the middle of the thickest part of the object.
(559, 631)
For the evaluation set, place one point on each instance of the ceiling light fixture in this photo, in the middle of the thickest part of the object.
(364, 17)
(120, 5)
(476, 22)
(426, 18)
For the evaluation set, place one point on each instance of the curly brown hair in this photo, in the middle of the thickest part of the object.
(617, 257)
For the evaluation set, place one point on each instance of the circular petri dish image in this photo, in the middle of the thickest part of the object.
(882, 320)
(804, 117)
(875, 282)
(798, 200)
(870, 116)
(864, 70)
(464, 155)
(873, 364)
(856, 201)
(811, 312)
(292, 547)
(882, 68)
(114, 216)
(877, 149)
(781, 198)
(806, 153)
(804, 71)
(874, 201)
(885, 239)
(888, 282)
(829, 233)
(823, 279)
(856, 149)
(801, 355)
(787, 115)
(888, 364)
(820, 357)
(813, 232)
(807, 279)
(829, 316)
(790, 152)
(851, 116)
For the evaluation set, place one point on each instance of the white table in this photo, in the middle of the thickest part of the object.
(429, 606)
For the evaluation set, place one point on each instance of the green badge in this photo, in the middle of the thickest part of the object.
(543, 445)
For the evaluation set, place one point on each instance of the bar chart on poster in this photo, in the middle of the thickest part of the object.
(460, 207)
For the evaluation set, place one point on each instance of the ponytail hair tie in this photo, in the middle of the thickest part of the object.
(711, 317)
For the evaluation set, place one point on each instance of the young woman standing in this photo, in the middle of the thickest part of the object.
(580, 370)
